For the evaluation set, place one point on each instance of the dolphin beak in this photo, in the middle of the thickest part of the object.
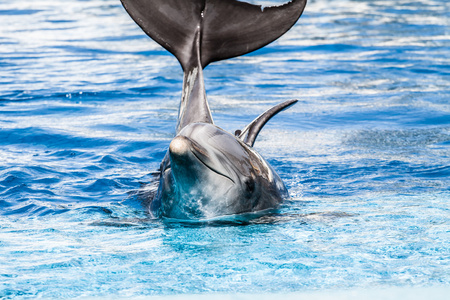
(185, 152)
(180, 146)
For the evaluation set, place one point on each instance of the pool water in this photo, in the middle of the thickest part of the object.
(88, 106)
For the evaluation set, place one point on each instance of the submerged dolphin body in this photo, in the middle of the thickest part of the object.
(208, 172)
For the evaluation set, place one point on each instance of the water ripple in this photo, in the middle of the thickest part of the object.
(88, 105)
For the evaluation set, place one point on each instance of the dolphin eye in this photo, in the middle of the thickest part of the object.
(249, 185)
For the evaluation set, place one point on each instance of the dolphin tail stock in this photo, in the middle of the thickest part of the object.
(198, 32)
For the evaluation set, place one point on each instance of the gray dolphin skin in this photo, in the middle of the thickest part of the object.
(208, 172)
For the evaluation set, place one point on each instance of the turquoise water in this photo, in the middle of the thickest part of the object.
(88, 106)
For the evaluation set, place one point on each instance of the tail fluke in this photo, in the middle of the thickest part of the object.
(234, 28)
(225, 28)
(199, 32)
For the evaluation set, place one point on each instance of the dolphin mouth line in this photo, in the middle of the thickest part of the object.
(212, 169)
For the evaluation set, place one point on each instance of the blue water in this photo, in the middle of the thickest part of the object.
(88, 106)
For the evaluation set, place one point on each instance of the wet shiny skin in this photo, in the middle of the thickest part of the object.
(208, 172)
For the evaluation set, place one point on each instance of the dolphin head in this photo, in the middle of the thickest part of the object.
(208, 172)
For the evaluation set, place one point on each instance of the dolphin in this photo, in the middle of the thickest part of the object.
(208, 172)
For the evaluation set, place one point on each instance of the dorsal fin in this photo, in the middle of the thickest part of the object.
(228, 28)
(251, 131)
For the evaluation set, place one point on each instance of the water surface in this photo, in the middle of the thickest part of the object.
(88, 106)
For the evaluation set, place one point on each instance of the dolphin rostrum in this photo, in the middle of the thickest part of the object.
(208, 172)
